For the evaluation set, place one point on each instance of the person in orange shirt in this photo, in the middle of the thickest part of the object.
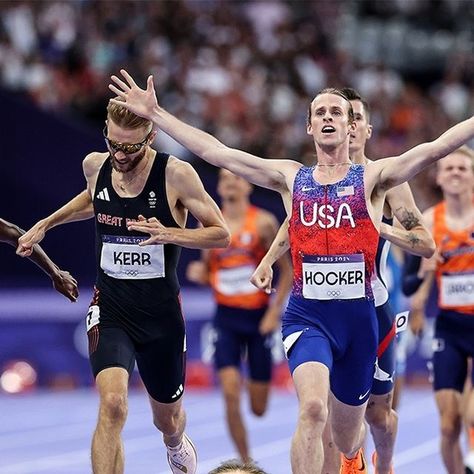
(452, 226)
(245, 317)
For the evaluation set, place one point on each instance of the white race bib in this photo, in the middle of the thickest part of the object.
(329, 277)
(457, 290)
(235, 281)
(123, 258)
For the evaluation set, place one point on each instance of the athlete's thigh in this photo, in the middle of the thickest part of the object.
(353, 372)
(259, 356)
(228, 347)
(306, 344)
(110, 346)
(449, 360)
(346, 419)
(386, 351)
(161, 361)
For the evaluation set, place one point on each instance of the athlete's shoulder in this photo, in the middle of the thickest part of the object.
(266, 223)
(264, 215)
(181, 175)
(93, 162)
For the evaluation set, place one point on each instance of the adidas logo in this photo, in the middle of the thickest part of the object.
(179, 391)
(103, 195)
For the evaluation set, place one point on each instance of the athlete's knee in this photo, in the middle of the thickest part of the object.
(232, 400)
(259, 407)
(170, 423)
(450, 426)
(348, 444)
(314, 409)
(381, 417)
(113, 406)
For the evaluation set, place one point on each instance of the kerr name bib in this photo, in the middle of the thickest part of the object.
(123, 258)
(457, 290)
(329, 277)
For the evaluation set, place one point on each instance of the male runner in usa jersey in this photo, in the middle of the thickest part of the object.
(415, 238)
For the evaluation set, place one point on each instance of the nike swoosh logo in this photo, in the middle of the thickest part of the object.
(306, 188)
(361, 397)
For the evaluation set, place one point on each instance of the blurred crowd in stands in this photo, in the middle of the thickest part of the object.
(247, 70)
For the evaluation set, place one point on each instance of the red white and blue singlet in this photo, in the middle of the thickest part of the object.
(331, 220)
(331, 316)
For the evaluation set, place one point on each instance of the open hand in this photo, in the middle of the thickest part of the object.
(139, 101)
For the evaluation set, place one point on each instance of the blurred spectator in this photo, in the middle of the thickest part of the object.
(247, 70)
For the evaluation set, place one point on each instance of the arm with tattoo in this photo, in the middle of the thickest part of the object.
(413, 236)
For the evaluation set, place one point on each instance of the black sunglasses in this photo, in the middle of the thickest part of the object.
(127, 148)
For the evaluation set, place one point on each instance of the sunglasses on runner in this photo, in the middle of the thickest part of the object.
(127, 148)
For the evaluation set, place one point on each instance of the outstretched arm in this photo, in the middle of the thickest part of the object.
(396, 170)
(262, 172)
(77, 209)
(63, 282)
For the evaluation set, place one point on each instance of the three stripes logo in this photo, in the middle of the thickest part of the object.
(103, 195)
(178, 392)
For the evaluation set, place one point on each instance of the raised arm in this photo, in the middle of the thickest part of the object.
(262, 172)
(413, 236)
(192, 195)
(63, 282)
(396, 170)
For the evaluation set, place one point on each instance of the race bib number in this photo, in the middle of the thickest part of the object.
(329, 277)
(457, 290)
(123, 258)
(93, 317)
(235, 281)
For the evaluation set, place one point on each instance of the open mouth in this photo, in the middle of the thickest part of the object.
(327, 129)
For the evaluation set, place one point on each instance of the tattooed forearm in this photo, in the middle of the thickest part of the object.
(409, 219)
(414, 240)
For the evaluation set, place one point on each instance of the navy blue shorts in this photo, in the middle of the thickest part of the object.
(386, 355)
(342, 335)
(238, 339)
(453, 344)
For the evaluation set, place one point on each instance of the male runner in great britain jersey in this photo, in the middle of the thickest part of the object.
(135, 314)
(415, 238)
(452, 225)
(245, 318)
(332, 300)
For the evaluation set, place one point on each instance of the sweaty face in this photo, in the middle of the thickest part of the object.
(363, 130)
(455, 174)
(329, 120)
(122, 162)
(232, 187)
